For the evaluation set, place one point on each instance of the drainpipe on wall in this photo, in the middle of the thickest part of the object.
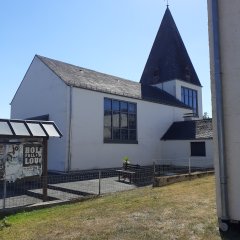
(70, 131)
(219, 112)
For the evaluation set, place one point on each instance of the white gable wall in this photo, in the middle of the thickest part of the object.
(169, 87)
(42, 92)
(178, 152)
(87, 148)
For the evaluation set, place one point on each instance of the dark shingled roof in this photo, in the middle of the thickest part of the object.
(168, 59)
(88, 79)
(190, 130)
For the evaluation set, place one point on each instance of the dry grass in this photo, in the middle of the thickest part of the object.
(180, 211)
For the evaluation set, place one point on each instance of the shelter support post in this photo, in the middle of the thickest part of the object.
(45, 170)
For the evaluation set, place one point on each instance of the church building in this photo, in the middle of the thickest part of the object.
(104, 118)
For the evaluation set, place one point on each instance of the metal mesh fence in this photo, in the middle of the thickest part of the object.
(182, 166)
(64, 187)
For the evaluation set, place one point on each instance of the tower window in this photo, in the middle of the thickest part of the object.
(189, 97)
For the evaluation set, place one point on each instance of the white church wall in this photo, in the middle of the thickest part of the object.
(169, 87)
(42, 92)
(88, 151)
(178, 152)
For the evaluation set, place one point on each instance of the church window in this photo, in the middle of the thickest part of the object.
(120, 121)
(189, 97)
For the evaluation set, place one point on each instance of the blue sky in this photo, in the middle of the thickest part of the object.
(110, 36)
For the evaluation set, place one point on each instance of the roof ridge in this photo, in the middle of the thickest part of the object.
(84, 68)
(101, 82)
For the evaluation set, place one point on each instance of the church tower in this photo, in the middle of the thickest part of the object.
(169, 66)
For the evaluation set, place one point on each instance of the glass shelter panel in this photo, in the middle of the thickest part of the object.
(51, 130)
(20, 129)
(36, 129)
(5, 129)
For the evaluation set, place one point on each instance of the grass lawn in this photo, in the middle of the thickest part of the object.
(183, 210)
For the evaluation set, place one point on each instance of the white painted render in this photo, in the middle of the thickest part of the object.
(229, 17)
(178, 152)
(173, 87)
(87, 148)
(79, 114)
(169, 87)
(42, 92)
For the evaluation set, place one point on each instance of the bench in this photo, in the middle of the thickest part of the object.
(128, 171)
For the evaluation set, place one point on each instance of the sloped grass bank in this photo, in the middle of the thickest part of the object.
(184, 210)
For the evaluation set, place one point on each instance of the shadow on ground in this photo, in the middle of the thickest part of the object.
(232, 234)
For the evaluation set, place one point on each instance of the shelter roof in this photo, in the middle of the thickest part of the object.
(14, 128)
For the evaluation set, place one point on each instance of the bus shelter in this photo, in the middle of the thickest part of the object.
(24, 151)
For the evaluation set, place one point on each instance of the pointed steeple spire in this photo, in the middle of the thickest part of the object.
(168, 59)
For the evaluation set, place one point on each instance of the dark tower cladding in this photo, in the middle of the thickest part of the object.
(168, 59)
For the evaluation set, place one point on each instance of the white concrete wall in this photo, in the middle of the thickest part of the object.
(169, 87)
(42, 92)
(229, 18)
(178, 152)
(173, 87)
(87, 147)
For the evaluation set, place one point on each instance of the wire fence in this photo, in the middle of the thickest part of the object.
(33, 191)
(62, 187)
(182, 165)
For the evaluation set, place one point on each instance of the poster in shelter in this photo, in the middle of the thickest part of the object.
(23, 160)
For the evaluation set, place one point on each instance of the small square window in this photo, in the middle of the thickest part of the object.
(198, 149)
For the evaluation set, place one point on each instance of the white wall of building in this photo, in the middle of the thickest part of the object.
(87, 148)
(42, 92)
(169, 87)
(178, 152)
(229, 31)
